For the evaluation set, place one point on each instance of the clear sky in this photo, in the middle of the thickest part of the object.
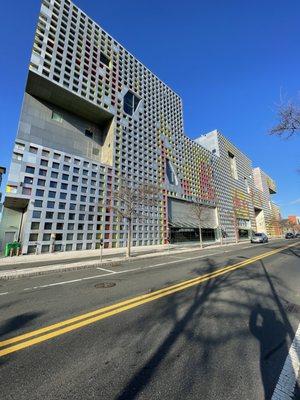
(227, 59)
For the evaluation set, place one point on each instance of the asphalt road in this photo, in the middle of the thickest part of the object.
(186, 328)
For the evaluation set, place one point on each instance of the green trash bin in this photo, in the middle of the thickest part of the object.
(7, 249)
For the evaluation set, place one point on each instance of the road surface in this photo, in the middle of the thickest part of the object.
(212, 324)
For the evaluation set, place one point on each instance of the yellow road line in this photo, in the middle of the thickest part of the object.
(71, 324)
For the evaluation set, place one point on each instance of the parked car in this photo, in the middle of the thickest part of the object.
(259, 238)
(297, 235)
(289, 235)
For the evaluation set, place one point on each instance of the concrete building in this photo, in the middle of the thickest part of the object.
(92, 115)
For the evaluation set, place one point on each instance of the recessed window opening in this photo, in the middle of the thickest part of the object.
(57, 116)
(89, 134)
(104, 59)
(232, 163)
(131, 101)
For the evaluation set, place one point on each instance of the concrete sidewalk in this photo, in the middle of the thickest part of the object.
(25, 266)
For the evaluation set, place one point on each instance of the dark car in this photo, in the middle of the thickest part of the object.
(297, 235)
(259, 238)
(289, 235)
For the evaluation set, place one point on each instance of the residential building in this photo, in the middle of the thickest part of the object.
(93, 115)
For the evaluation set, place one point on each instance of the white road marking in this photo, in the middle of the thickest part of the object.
(285, 387)
(107, 270)
(2, 294)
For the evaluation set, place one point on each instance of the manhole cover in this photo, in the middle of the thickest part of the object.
(104, 285)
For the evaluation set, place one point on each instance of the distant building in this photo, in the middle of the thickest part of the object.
(294, 219)
(92, 115)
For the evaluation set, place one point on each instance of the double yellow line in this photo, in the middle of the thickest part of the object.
(49, 332)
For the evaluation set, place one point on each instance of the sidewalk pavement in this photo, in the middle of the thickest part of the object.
(34, 265)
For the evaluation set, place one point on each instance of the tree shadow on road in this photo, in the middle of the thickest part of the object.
(270, 328)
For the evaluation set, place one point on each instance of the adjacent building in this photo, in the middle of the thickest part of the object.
(294, 219)
(2, 172)
(93, 115)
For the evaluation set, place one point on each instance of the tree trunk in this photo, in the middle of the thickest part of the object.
(200, 237)
(128, 250)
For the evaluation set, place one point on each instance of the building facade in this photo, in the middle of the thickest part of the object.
(93, 115)
(294, 219)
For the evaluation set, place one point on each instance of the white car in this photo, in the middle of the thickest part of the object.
(259, 238)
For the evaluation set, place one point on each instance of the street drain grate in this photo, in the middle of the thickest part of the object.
(104, 285)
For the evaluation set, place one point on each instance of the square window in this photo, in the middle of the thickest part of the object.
(33, 150)
(64, 186)
(50, 204)
(70, 236)
(46, 237)
(36, 214)
(45, 153)
(54, 174)
(57, 116)
(28, 180)
(35, 225)
(65, 177)
(33, 237)
(29, 170)
(48, 225)
(61, 215)
(45, 248)
(63, 195)
(41, 182)
(42, 172)
(71, 227)
(72, 206)
(55, 165)
(39, 192)
(49, 214)
(53, 184)
(61, 206)
(51, 194)
(25, 190)
(44, 163)
(38, 203)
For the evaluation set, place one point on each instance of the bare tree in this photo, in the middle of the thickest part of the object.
(286, 225)
(198, 211)
(129, 200)
(288, 115)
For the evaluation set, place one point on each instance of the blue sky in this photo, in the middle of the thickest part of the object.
(227, 59)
